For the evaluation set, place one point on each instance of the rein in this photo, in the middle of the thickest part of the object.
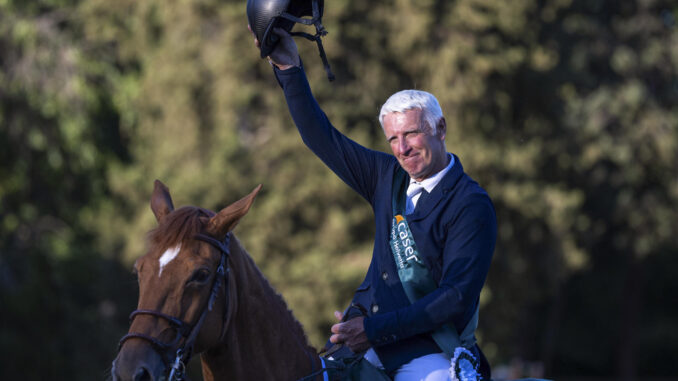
(183, 329)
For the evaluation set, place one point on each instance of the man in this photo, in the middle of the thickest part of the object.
(451, 219)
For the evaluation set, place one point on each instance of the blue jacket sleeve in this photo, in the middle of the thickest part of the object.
(356, 165)
(467, 254)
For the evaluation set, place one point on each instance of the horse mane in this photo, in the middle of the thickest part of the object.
(179, 225)
(276, 299)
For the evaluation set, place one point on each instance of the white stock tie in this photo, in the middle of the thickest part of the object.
(413, 193)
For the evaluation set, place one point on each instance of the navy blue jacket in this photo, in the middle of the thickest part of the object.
(454, 227)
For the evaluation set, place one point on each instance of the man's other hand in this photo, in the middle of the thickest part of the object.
(350, 333)
(285, 54)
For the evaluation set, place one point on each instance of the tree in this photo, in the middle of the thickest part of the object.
(563, 110)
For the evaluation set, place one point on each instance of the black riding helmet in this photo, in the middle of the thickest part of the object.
(265, 15)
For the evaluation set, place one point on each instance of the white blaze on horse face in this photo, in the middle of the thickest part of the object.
(168, 256)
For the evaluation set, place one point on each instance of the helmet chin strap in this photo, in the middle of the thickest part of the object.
(320, 31)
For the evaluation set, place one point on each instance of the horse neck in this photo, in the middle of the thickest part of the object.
(264, 341)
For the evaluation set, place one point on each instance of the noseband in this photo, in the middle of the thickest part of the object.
(183, 329)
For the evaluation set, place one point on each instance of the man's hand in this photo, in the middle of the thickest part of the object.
(351, 333)
(285, 54)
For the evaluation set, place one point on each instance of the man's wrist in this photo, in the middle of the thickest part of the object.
(380, 329)
(283, 67)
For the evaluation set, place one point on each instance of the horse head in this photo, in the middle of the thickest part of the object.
(186, 297)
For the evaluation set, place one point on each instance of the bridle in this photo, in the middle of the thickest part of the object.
(185, 330)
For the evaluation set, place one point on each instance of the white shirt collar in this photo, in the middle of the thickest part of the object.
(430, 183)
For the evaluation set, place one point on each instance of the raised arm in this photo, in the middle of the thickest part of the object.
(356, 165)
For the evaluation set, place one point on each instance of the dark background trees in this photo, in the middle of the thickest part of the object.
(564, 110)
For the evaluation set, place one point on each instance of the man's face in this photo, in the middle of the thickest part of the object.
(419, 152)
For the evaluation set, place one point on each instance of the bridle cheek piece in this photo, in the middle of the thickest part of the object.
(185, 330)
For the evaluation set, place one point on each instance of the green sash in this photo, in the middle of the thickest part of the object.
(414, 274)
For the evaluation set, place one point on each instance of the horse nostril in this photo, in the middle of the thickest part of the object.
(142, 374)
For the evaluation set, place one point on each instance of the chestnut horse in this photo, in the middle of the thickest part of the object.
(200, 292)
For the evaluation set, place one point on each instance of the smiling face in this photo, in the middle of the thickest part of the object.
(420, 153)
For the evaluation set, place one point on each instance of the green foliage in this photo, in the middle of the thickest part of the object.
(563, 110)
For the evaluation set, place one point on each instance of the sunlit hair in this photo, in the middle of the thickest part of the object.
(414, 99)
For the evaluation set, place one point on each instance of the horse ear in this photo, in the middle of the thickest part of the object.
(228, 217)
(161, 201)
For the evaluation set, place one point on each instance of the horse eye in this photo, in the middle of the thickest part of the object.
(199, 276)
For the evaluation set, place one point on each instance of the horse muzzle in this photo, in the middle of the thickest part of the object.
(138, 361)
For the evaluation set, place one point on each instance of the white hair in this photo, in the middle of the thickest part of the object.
(414, 99)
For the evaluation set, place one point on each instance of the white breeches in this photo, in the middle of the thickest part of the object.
(433, 367)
